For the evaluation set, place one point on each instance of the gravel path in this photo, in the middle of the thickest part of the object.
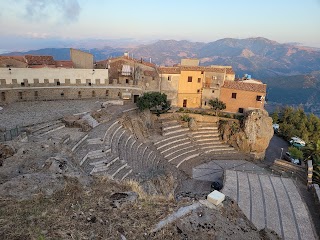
(28, 113)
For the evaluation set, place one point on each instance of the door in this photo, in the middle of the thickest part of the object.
(135, 98)
(184, 103)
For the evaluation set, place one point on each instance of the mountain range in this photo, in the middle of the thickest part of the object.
(290, 70)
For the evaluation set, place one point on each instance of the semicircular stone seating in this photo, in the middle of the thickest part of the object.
(186, 149)
(112, 150)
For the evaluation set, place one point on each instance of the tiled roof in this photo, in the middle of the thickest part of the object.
(64, 64)
(150, 73)
(18, 58)
(39, 60)
(126, 58)
(169, 70)
(252, 87)
(178, 69)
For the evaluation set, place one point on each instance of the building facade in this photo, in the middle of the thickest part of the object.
(188, 85)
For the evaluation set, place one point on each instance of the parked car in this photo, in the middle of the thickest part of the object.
(275, 127)
(297, 142)
(287, 157)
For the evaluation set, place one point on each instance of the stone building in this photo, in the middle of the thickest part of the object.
(24, 78)
(193, 86)
(243, 95)
(81, 59)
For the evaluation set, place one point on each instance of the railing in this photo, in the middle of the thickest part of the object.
(8, 135)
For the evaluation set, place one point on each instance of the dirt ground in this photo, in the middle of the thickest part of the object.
(43, 195)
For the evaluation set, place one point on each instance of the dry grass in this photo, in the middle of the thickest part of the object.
(85, 213)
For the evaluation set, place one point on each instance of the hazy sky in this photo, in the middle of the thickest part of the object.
(195, 20)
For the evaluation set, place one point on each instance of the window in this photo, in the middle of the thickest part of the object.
(93, 94)
(259, 98)
(198, 91)
(36, 94)
(14, 81)
(205, 103)
(3, 96)
(46, 81)
(212, 91)
(79, 94)
(58, 83)
(62, 94)
(240, 110)
(127, 80)
(153, 78)
(89, 84)
(78, 81)
(97, 81)
(36, 81)
(107, 93)
(190, 79)
(199, 80)
(169, 78)
(234, 95)
(22, 84)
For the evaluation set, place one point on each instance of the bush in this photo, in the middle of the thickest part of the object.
(185, 118)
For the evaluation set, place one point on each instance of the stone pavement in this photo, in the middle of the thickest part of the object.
(270, 201)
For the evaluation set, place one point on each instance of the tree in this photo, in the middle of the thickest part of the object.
(295, 153)
(217, 105)
(275, 116)
(155, 101)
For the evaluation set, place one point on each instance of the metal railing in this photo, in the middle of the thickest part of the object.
(8, 135)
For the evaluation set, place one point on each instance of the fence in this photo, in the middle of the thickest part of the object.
(8, 135)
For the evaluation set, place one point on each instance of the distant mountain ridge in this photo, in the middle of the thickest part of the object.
(260, 57)
(291, 71)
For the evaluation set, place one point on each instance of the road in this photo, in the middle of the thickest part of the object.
(274, 149)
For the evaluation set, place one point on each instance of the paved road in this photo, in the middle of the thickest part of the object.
(274, 149)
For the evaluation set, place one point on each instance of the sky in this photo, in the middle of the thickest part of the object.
(48, 23)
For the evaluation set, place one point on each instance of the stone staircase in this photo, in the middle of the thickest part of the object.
(90, 120)
(176, 146)
(45, 128)
(186, 149)
(207, 138)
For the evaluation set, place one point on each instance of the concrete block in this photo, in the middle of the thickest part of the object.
(216, 197)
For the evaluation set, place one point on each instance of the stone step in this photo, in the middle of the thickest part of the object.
(188, 147)
(170, 138)
(103, 166)
(204, 135)
(187, 158)
(48, 129)
(213, 139)
(111, 126)
(94, 155)
(182, 155)
(174, 147)
(173, 142)
(90, 120)
(171, 127)
(35, 128)
(175, 132)
(93, 141)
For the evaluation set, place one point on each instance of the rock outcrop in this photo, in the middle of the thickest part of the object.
(251, 135)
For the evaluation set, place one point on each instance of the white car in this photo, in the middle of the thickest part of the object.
(297, 142)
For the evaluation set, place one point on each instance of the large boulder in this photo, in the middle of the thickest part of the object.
(252, 135)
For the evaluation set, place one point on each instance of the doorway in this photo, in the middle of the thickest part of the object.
(184, 103)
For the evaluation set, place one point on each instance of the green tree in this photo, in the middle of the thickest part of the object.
(154, 101)
(275, 116)
(295, 153)
(217, 105)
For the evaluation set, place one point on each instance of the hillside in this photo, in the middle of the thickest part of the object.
(291, 71)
